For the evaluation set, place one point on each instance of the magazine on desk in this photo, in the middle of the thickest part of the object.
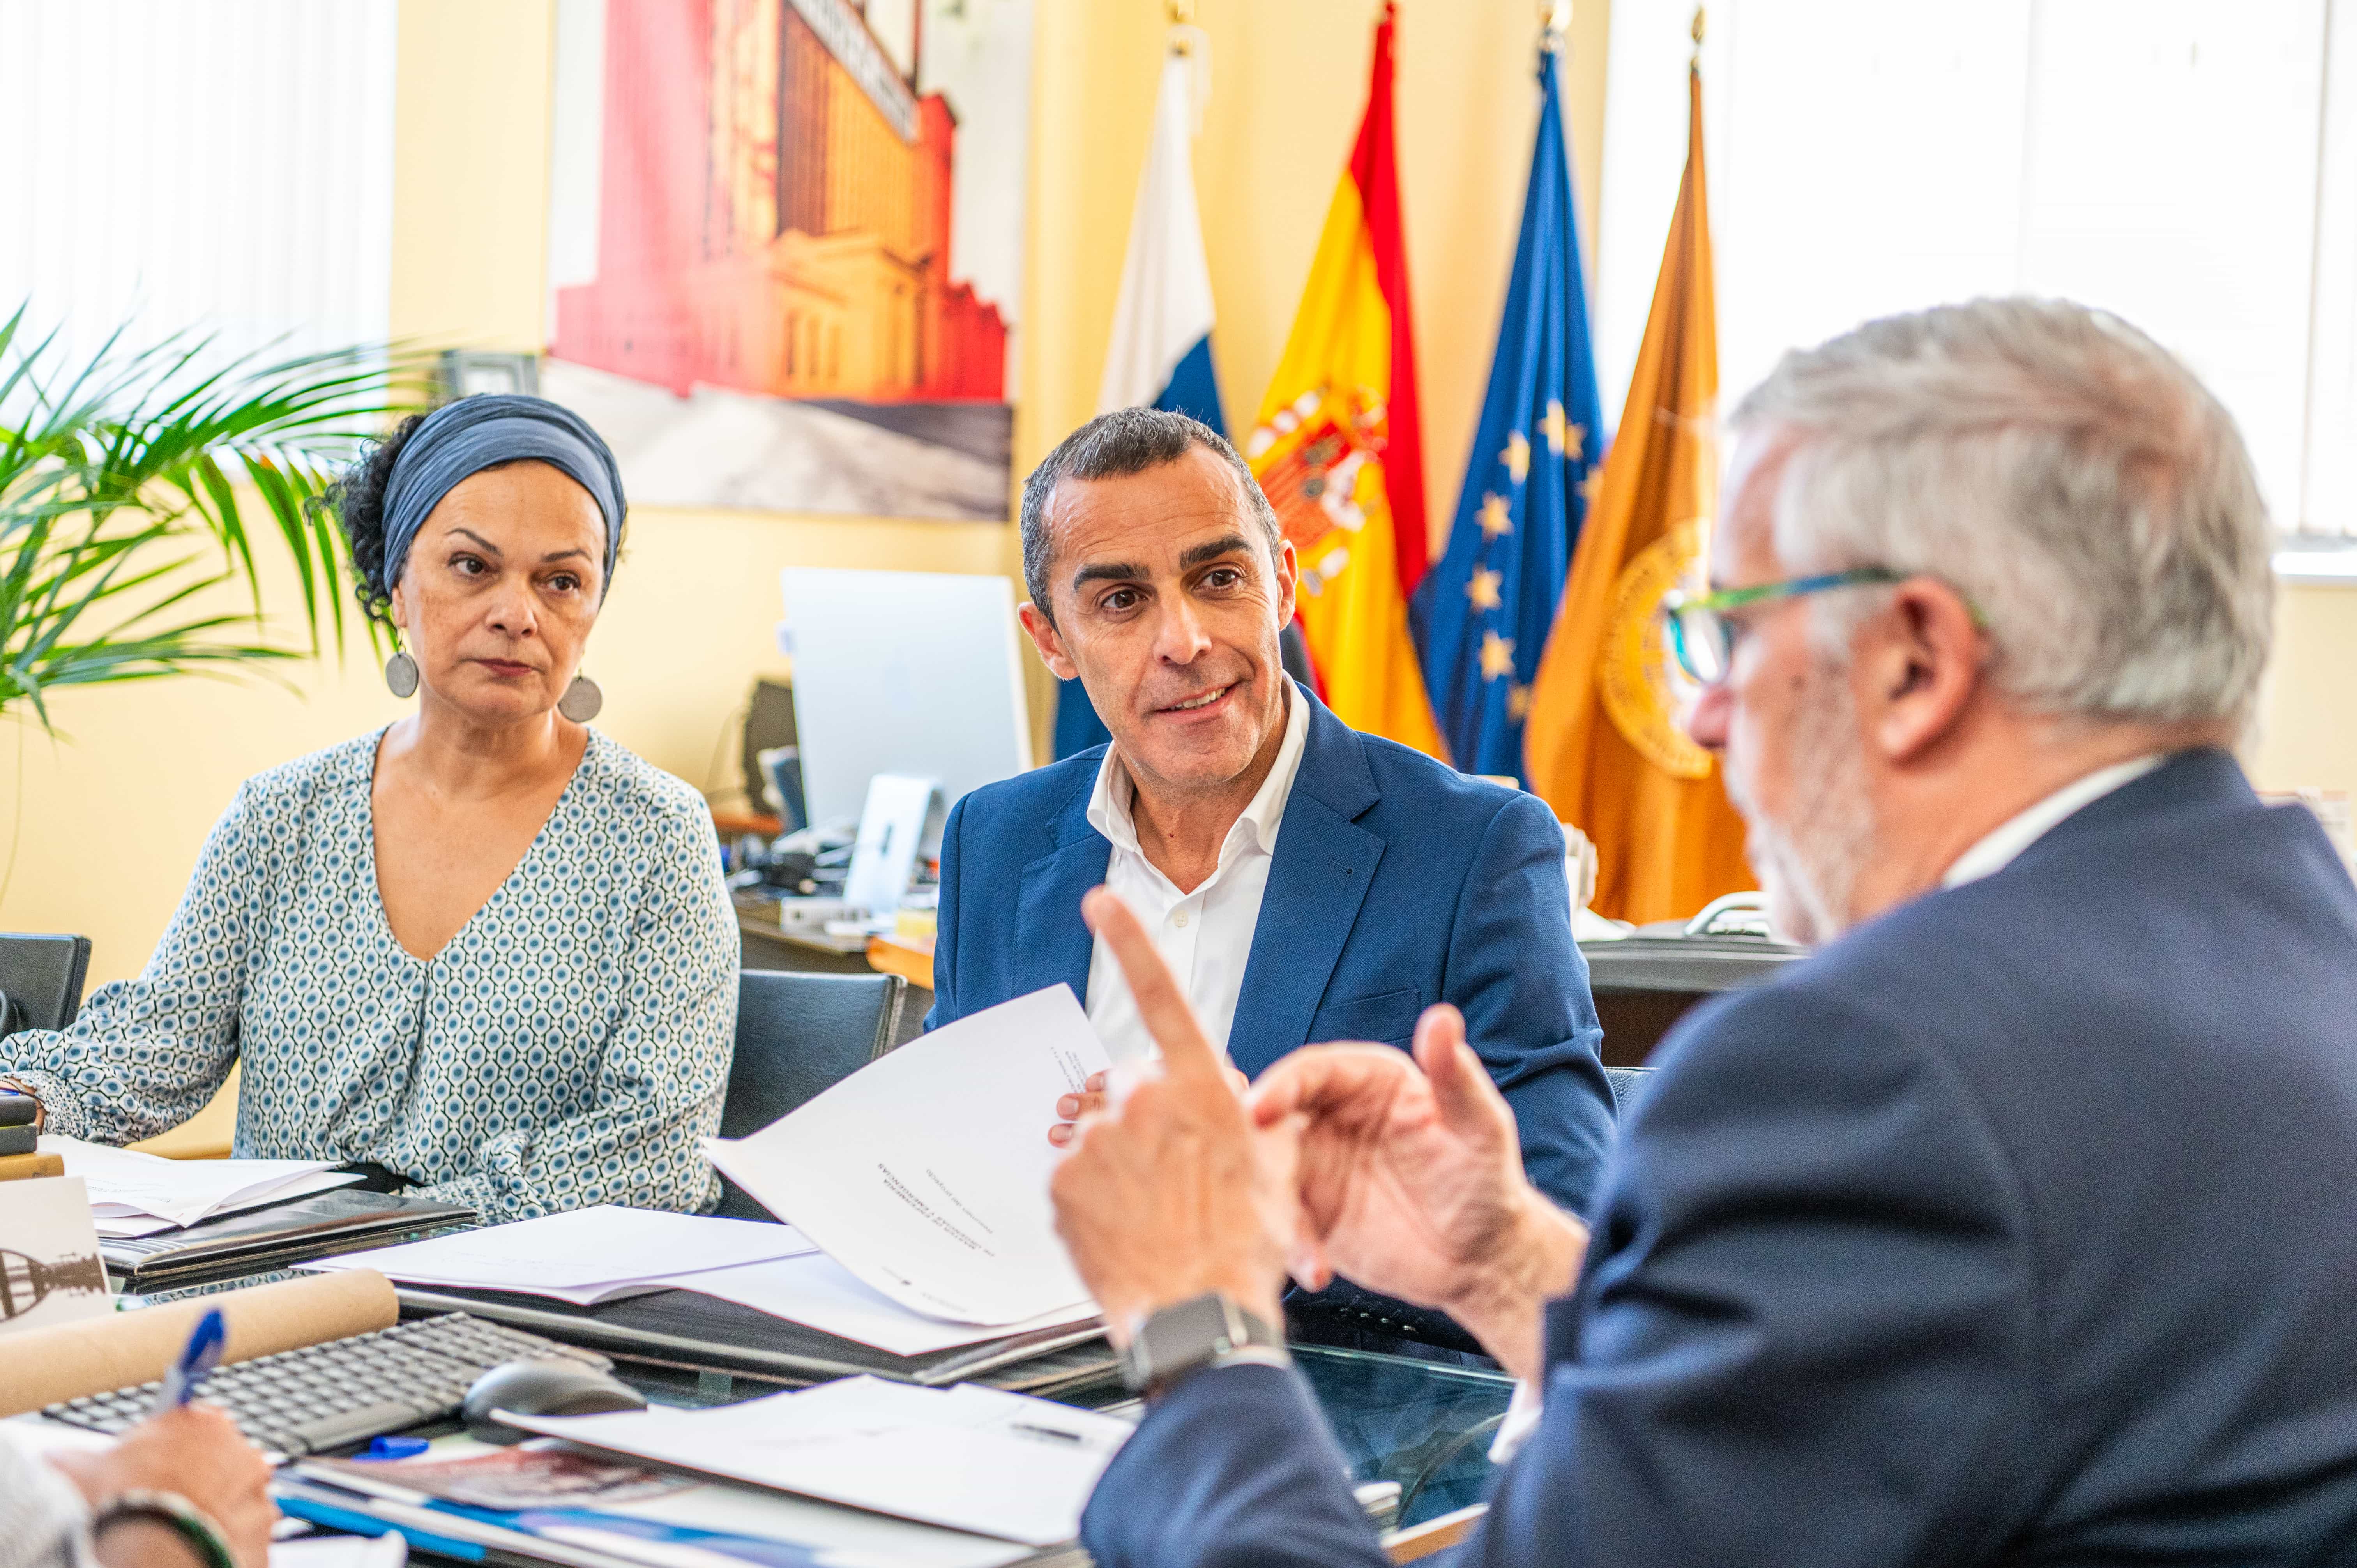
(544, 1503)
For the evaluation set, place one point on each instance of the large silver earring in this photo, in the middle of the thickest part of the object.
(401, 675)
(581, 700)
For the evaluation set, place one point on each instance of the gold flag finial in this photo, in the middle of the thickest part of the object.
(1698, 34)
(1182, 13)
(1555, 23)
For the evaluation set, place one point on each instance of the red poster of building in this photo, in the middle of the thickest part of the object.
(786, 242)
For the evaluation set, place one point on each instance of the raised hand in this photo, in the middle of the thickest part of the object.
(1173, 1192)
(1092, 1100)
(1410, 1180)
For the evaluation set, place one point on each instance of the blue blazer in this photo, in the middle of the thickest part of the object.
(1397, 882)
(2019, 1226)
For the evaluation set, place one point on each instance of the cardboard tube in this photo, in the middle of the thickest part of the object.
(42, 1366)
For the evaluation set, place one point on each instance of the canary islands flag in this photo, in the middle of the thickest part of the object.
(1161, 352)
(1481, 614)
(1338, 449)
(1606, 745)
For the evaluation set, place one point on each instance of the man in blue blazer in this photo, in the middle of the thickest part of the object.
(1309, 882)
(2020, 1225)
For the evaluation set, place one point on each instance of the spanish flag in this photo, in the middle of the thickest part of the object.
(1603, 740)
(1337, 450)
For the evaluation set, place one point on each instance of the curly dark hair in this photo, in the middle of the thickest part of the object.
(358, 500)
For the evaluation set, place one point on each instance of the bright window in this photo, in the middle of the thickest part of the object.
(218, 164)
(2191, 165)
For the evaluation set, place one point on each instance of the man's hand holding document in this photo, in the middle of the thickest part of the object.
(925, 1174)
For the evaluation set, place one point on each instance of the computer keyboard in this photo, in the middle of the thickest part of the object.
(347, 1390)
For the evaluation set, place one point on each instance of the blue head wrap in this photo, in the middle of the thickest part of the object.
(473, 434)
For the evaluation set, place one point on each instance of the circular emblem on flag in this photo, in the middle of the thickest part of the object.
(1643, 687)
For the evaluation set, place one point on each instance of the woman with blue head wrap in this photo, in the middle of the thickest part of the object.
(483, 951)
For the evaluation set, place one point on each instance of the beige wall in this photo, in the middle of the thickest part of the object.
(110, 819)
(2308, 721)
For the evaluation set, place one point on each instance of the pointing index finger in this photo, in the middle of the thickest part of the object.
(1160, 1004)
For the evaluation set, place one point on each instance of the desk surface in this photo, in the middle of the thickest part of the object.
(1423, 1424)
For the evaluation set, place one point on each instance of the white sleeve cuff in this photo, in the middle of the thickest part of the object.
(1522, 1419)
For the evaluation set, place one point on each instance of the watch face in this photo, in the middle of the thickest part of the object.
(1178, 1338)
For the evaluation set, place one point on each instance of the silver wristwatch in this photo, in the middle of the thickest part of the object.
(1191, 1335)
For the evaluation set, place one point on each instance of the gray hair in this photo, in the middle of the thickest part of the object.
(2061, 470)
(1126, 441)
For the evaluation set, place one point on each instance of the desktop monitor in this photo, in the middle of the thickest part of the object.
(918, 673)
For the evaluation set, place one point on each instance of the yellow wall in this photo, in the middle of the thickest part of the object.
(111, 820)
(2308, 721)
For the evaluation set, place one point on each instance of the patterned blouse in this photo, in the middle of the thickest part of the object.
(567, 1048)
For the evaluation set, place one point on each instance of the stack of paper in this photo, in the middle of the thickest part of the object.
(967, 1459)
(925, 1174)
(132, 1194)
(819, 1292)
(585, 1255)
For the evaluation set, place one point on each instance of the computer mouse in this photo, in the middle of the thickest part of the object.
(551, 1386)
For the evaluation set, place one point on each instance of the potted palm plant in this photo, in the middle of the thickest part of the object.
(129, 484)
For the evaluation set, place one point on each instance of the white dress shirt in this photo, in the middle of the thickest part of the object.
(1205, 935)
(1991, 854)
(1996, 849)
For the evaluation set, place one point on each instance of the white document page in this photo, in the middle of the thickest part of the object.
(969, 1457)
(129, 1186)
(819, 1292)
(925, 1173)
(583, 1256)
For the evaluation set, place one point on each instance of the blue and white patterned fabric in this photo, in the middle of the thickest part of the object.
(568, 1047)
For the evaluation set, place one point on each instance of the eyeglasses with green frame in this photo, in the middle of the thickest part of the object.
(1704, 635)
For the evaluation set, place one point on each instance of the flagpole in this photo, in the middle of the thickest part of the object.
(1554, 24)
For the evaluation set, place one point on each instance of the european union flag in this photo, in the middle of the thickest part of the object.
(1481, 614)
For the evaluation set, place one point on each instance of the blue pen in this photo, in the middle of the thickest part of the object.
(202, 1355)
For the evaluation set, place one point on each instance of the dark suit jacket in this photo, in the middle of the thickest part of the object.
(1398, 883)
(2019, 1226)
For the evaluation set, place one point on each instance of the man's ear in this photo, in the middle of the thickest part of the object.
(1918, 665)
(1048, 640)
(1288, 580)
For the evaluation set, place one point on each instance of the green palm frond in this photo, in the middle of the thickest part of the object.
(128, 491)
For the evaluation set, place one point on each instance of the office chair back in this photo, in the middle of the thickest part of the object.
(41, 980)
(798, 1036)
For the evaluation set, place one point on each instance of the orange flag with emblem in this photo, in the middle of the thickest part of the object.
(1603, 740)
(1337, 448)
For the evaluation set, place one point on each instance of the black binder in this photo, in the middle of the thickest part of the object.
(702, 1333)
(340, 1220)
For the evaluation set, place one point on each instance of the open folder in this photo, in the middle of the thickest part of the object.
(134, 1194)
(925, 1174)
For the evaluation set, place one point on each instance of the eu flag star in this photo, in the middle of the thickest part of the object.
(1497, 516)
(1588, 487)
(1518, 701)
(1482, 589)
(1497, 656)
(1517, 457)
(1575, 441)
(1552, 424)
